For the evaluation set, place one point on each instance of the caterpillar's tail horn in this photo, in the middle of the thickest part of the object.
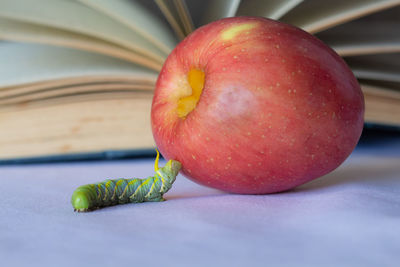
(156, 168)
(173, 166)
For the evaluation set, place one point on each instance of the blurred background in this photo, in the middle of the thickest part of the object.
(77, 77)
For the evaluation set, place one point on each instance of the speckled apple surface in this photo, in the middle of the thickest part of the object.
(278, 108)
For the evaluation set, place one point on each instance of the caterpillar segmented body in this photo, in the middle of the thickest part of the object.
(120, 191)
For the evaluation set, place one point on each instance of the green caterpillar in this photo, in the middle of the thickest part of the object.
(120, 191)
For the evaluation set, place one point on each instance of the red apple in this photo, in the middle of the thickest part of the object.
(251, 105)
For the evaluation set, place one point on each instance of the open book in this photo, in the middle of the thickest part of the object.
(77, 76)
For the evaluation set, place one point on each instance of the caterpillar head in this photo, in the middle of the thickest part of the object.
(82, 198)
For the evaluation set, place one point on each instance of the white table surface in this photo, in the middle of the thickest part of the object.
(350, 217)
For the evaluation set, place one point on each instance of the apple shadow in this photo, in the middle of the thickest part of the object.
(188, 194)
(385, 173)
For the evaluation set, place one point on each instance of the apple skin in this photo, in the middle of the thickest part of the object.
(279, 107)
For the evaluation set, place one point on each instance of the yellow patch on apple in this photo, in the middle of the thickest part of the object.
(188, 103)
(231, 32)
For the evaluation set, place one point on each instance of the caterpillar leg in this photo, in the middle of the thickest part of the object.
(156, 199)
(86, 210)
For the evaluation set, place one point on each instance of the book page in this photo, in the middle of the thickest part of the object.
(372, 34)
(184, 16)
(78, 124)
(27, 32)
(218, 9)
(384, 67)
(197, 9)
(170, 12)
(381, 105)
(25, 96)
(77, 17)
(28, 63)
(273, 9)
(381, 90)
(74, 81)
(372, 47)
(139, 19)
(314, 15)
(376, 74)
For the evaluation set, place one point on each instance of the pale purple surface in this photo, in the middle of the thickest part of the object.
(350, 217)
